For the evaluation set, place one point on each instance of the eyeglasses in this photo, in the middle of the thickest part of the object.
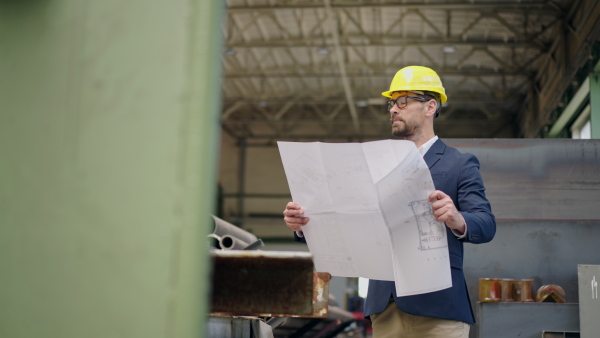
(402, 101)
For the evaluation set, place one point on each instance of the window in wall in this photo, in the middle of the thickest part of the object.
(582, 127)
(363, 286)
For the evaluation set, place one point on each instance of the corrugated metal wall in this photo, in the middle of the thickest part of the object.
(545, 195)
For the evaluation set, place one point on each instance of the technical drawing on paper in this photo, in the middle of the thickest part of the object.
(333, 254)
(431, 232)
(307, 171)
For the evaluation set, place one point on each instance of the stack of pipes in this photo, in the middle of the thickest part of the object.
(227, 236)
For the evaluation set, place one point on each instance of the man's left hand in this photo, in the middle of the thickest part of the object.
(445, 211)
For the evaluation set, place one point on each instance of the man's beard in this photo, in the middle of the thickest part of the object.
(402, 130)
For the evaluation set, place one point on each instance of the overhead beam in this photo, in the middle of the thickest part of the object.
(493, 115)
(332, 21)
(476, 129)
(316, 41)
(449, 72)
(542, 7)
(232, 109)
(578, 50)
(338, 101)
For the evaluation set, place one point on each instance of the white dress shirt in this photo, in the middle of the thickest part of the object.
(423, 150)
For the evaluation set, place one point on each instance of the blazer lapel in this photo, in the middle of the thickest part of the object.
(432, 156)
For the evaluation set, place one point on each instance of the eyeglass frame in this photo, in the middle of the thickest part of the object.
(392, 102)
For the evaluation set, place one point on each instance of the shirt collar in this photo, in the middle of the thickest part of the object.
(425, 147)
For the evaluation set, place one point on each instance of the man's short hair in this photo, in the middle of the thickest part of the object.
(435, 96)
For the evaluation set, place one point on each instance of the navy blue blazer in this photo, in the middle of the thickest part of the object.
(458, 176)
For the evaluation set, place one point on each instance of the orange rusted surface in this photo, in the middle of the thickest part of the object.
(320, 294)
(268, 283)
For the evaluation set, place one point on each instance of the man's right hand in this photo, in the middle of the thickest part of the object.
(289, 216)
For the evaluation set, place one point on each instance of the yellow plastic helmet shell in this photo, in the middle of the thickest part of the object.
(417, 78)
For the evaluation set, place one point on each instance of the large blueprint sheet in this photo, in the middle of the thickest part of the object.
(368, 210)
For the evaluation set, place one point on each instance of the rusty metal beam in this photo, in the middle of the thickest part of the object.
(269, 284)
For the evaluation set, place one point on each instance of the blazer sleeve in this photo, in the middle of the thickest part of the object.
(473, 204)
(299, 239)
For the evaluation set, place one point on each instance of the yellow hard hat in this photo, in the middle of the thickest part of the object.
(417, 78)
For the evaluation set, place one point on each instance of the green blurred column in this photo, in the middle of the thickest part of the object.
(595, 102)
(108, 150)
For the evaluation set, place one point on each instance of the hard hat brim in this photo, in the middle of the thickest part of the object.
(389, 93)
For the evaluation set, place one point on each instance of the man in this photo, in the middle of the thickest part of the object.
(416, 95)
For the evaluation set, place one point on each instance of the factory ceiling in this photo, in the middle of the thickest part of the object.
(312, 70)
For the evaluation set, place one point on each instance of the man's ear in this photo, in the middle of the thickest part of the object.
(431, 107)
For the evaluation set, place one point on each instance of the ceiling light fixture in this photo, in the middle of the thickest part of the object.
(230, 52)
(449, 49)
(323, 51)
(362, 103)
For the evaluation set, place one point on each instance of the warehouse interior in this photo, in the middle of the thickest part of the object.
(311, 71)
(126, 125)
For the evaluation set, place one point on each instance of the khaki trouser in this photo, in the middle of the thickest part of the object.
(394, 323)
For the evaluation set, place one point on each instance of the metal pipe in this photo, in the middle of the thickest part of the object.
(229, 242)
(223, 228)
(214, 241)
